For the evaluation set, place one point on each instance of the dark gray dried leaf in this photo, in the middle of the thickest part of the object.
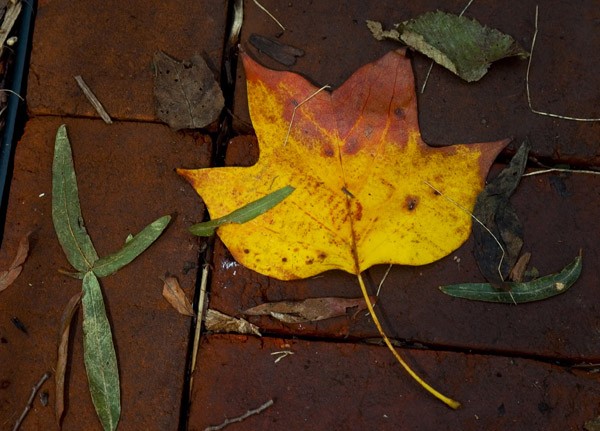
(494, 210)
(281, 53)
(187, 94)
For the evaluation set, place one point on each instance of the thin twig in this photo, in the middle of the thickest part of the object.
(431, 64)
(34, 390)
(282, 354)
(240, 418)
(452, 201)
(93, 99)
(269, 13)
(571, 171)
(299, 105)
(199, 318)
(535, 111)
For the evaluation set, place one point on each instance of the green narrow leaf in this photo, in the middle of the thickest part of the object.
(133, 248)
(66, 212)
(245, 213)
(99, 355)
(535, 290)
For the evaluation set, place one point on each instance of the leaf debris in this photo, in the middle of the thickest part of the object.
(218, 322)
(14, 270)
(62, 355)
(174, 294)
(308, 310)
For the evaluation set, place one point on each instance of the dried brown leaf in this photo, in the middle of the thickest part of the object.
(218, 322)
(187, 94)
(518, 271)
(8, 277)
(62, 355)
(176, 297)
(309, 310)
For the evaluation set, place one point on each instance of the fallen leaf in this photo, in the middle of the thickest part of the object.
(516, 293)
(284, 54)
(14, 270)
(99, 355)
(218, 322)
(187, 94)
(361, 171)
(368, 190)
(459, 44)
(66, 210)
(243, 214)
(62, 355)
(308, 310)
(173, 293)
(494, 210)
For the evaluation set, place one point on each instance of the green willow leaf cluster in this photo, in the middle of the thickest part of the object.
(99, 352)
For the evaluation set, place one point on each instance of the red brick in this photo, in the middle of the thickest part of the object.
(111, 44)
(126, 180)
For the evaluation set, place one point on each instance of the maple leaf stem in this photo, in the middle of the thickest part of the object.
(448, 401)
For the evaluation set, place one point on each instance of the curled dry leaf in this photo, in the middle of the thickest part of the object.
(218, 322)
(308, 310)
(9, 276)
(174, 294)
(62, 355)
(494, 210)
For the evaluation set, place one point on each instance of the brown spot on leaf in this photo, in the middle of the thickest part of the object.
(328, 150)
(411, 202)
(322, 255)
(399, 112)
(309, 261)
(246, 251)
(358, 211)
(351, 146)
(284, 259)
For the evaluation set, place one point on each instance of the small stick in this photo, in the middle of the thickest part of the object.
(383, 279)
(299, 105)
(199, 318)
(282, 354)
(571, 171)
(34, 390)
(431, 65)
(93, 99)
(269, 13)
(547, 114)
(452, 201)
(240, 418)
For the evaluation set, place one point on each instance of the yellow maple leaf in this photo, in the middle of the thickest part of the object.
(368, 190)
